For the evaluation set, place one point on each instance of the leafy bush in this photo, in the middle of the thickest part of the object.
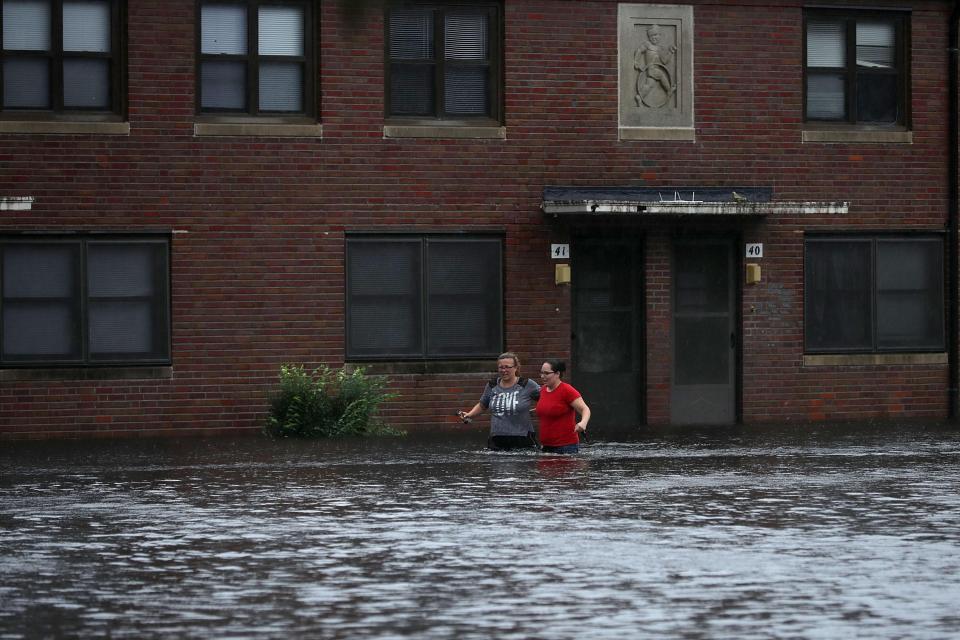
(325, 403)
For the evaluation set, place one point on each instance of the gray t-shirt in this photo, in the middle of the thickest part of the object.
(510, 408)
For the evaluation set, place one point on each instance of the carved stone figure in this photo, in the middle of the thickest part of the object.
(653, 61)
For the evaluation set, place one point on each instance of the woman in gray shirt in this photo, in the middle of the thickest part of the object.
(509, 398)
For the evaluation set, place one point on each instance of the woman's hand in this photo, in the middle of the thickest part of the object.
(464, 417)
(580, 427)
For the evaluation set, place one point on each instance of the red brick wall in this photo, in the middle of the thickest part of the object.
(257, 253)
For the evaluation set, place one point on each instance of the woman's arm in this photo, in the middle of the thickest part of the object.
(467, 416)
(581, 407)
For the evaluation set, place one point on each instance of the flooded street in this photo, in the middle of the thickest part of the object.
(808, 532)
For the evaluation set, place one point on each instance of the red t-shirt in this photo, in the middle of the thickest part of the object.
(557, 417)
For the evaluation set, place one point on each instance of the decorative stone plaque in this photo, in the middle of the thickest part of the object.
(656, 72)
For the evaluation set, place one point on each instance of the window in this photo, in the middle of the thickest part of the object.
(874, 294)
(412, 297)
(444, 61)
(62, 56)
(256, 58)
(84, 301)
(856, 69)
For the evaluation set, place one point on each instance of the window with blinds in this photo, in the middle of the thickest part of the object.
(443, 61)
(416, 297)
(84, 301)
(866, 294)
(256, 58)
(62, 56)
(855, 67)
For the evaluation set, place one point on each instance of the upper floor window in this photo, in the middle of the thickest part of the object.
(84, 301)
(62, 56)
(856, 67)
(414, 297)
(869, 294)
(256, 57)
(444, 61)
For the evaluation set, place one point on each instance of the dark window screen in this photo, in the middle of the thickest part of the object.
(874, 294)
(424, 297)
(384, 290)
(84, 301)
(464, 297)
(126, 300)
(838, 295)
(41, 302)
(910, 294)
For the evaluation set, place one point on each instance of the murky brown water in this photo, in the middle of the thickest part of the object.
(797, 533)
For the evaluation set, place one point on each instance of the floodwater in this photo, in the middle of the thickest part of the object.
(803, 532)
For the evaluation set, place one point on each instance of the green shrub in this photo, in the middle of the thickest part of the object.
(325, 403)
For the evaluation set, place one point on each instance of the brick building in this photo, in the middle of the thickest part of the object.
(756, 201)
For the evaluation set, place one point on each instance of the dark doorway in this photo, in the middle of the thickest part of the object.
(704, 388)
(608, 329)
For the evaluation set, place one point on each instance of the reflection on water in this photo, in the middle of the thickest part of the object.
(772, 534)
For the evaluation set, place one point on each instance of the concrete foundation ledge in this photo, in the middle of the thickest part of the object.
(874, 359)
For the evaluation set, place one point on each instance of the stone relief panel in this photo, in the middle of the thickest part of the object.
(656, 66)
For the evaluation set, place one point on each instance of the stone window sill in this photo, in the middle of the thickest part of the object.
(846, 136)
(445, 132)
(65, 127)
(258, 129)
(425, 367)
(87, 373)
(874, 359)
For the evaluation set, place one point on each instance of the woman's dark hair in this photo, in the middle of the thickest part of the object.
(557, 365)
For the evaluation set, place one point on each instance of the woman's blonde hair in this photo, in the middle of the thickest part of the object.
(510, 355)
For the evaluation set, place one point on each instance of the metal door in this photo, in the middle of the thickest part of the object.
(607, 340)
(704, 388)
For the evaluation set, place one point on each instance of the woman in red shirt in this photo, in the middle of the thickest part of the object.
(557, 408)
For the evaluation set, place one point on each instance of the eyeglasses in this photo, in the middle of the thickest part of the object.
(546, 373)
(506, 366)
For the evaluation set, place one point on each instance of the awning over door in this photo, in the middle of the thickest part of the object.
(677, 201)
